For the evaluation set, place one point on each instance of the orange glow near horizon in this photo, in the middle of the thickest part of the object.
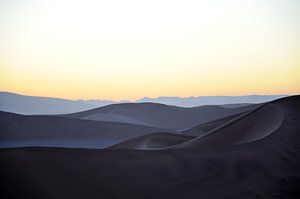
(132, 49)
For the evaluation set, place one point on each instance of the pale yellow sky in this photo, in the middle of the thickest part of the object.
(131, 49)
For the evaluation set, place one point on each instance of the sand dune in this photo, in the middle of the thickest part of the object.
(248, 127)
(203, 128)
(152, 141)
(112, 117)
(18, 130)
(159, 115)
(236, 129)
(263, 165)
(163, 140)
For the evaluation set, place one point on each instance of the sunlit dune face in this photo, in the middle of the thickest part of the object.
(131, 49)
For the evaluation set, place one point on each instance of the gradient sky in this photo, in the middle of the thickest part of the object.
(131, 49)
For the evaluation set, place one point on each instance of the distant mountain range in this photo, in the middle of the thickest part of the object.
(33, 105)
(212, 100)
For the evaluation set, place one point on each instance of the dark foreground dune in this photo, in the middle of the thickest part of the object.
(252, 161)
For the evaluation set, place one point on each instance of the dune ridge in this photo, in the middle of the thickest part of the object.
(208, 126)
(249, 127)
(236, 129)
(20, 130)
(160, 115)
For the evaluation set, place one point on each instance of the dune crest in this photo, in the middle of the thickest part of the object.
(249, 127)
(159, 115)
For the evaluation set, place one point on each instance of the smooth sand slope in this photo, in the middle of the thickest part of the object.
(248, 127)
(164, 140)
(159, 115)
(208, 126)
(19, 130)
(153, 141)
(263, 165)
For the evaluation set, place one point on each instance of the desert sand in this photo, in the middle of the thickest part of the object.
(21, 130)
(153, 141)
(254, 155)
(160, 115)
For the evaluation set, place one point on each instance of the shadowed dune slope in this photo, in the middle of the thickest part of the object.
(159, 115)
(203, 128)
(236, 129)
(152, 141)
(40, 129)
(248, 127)
(168, 139)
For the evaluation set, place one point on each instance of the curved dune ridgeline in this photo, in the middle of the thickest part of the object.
(249, 127)
(160, 115)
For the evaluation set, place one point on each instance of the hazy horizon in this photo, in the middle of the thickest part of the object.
(146, 97)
